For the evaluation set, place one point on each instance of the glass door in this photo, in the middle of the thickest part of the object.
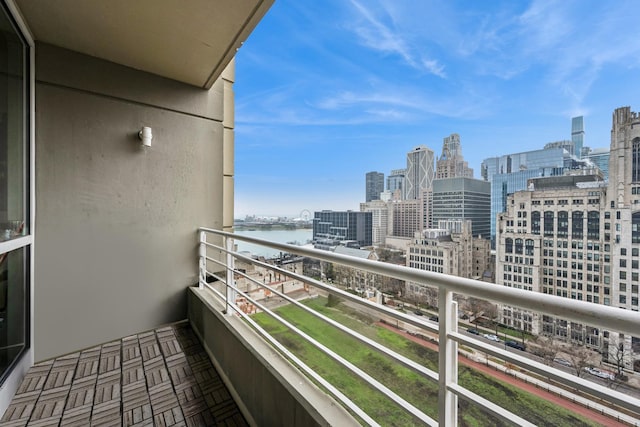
(15, 238)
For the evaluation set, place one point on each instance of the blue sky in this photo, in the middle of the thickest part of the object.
(329, 90)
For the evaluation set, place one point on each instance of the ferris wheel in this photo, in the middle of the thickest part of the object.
(305, 215)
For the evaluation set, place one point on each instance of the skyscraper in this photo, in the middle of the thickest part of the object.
(419, 174)
(577, 135)
(509, 173)
(374, 185)
(395, 181)
(463, 199)
(451, 164)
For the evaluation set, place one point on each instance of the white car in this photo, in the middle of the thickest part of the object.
(492, 337)
(600, 373)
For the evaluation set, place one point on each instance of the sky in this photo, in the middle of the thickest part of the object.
(327, 91)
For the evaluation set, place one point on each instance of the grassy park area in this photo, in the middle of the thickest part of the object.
(416, 389)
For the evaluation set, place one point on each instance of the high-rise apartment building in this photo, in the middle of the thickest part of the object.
(374, 185)
(331, 228)
(419, 173)
(463, 199)
(379, 220)
(405, 217)
(577, 135)
(451, 163)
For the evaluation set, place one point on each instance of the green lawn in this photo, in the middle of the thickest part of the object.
(416, 389)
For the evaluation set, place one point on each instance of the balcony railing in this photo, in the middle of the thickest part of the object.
(217, 254)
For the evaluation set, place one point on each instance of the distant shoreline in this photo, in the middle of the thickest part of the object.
(272, 226)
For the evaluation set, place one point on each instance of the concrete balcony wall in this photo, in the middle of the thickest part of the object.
(116, 223)
(267, 387)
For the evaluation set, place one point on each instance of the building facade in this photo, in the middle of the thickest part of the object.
(419, 173)
(395, 181)
(577, 135)
(451, 163)
(379, 220)
(463, 199)
(331, 228)
(554, 239)
(374, 185)
(113, 214)
(404, 218)
(509, 173)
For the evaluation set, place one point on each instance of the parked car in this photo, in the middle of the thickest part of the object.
(516, 345)
(418, 313)
(492, 337)
(473, 331)
(600, 373)
(563, 362)
(433, 318)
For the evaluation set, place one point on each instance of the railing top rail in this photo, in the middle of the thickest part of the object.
(612, 318)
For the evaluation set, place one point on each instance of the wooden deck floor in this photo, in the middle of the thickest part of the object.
(157, 378)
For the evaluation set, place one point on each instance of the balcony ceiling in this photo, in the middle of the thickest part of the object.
(186, 40)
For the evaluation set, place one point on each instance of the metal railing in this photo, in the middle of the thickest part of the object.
(223, 257)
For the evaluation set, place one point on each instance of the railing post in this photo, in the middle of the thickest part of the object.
(447, 359)
(231, 293)
(202, 262)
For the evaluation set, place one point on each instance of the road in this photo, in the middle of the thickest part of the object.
(587, 413)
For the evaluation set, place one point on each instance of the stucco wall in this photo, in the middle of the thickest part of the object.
(116, 223)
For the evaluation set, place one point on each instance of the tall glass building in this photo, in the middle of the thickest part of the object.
(374, 185)
(577, 135)
(332, 227)
(509, 173)
(463, 199)
(395, 180)
(599, 157)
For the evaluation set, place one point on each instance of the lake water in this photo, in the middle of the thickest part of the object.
(299, 235)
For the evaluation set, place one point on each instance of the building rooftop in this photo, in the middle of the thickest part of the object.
(162, 377)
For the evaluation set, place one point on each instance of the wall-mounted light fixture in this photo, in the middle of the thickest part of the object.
(146, 136)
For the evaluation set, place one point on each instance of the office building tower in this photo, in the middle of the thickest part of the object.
(451, 163)
(350, 228)
(374, 185)
(554, 238)
(463, 199)
(577, 135)
(395, 181)
(598, 157)
(419, 174)
(509, 173)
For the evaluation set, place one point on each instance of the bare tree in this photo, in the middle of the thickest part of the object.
(547, 348)
(491, 313)
(619, 355)
(476, 307)
(580, 358)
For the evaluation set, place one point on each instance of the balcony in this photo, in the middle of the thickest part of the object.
(273, 385)
(286, 285)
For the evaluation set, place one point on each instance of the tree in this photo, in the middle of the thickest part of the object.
(476, 307)
(547, 348)
(491, 313)
(580, 358)
(619, 355)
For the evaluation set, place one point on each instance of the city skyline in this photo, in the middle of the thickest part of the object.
(326, 93)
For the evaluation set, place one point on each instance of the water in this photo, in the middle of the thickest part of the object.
(299, 235)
